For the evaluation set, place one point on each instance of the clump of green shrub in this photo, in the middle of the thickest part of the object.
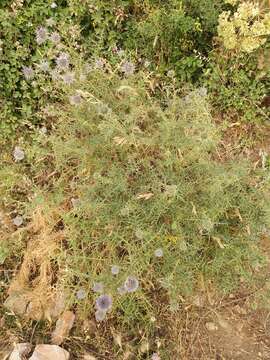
(140, 189)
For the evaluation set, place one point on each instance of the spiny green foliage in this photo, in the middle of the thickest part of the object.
(146, 177)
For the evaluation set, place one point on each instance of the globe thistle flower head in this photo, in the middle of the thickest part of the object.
(43, 130)
(81, 294)
(75, 99)
(68, 78)
(155, 356)
(28, 72)
(115, 269)
(128, 68)
(98, 287)
(100, 315)
(171, 73)
(131, 284)
(158, 253)
(18, 220)
(18, 153)
(139, 234)
(55, 74)
(55, 37)
(44, 66)
(75, 202)
(202, 91)
(50, 22)
(99, 63)
(104, 302)
(41, 35)
(121, 290)
(62, 61)
(53, 5)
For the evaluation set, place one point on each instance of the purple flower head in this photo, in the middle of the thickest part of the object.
(81, 294)
(100, 315)
(121, 290)
(41, 35)
(75, 202)
(28, 72)
(55, 74)
(99, 63)
(158, 253)
(18, 153)
(62, 61)
(18, 220)
(44, 66)
(68, 78)
(171, 73)
(75, 99)
(155, 356)
(55, 37)
(104, 302)
(115, 269)
(131, 284)
(98, 287)
(50, 22)
(128, 68)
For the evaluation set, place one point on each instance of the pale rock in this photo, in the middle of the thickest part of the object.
(49, 352)
(20, 351)
(63, 327)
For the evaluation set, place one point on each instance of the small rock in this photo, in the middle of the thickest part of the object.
(211, 326)
(63, 327)
(49, 352)
(20, 351)
(16, 303)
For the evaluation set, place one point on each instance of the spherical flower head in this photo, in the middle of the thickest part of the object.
(62, 61)
(158, 253)
(81, 294)
(171, 73)
(75, 99)
(75, 202)
(28, 72)
(100, 315)
(139, 234)
(43, 130)
(115, 269)
(53, 5)
(50, 22)
(99, 63)
(18, 220)
(68, 78)
(55, 37)
(128, 68)
(122, 290)
(44, 66)
(55, 74)
(131, 284)
(155, 356)
(18, 153)
(202, 91)
(104, 302)
(98, 287)
(41, 35)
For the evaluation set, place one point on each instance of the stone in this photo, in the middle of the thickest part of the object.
(20, 351)
(63, 327)
(49, 352)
